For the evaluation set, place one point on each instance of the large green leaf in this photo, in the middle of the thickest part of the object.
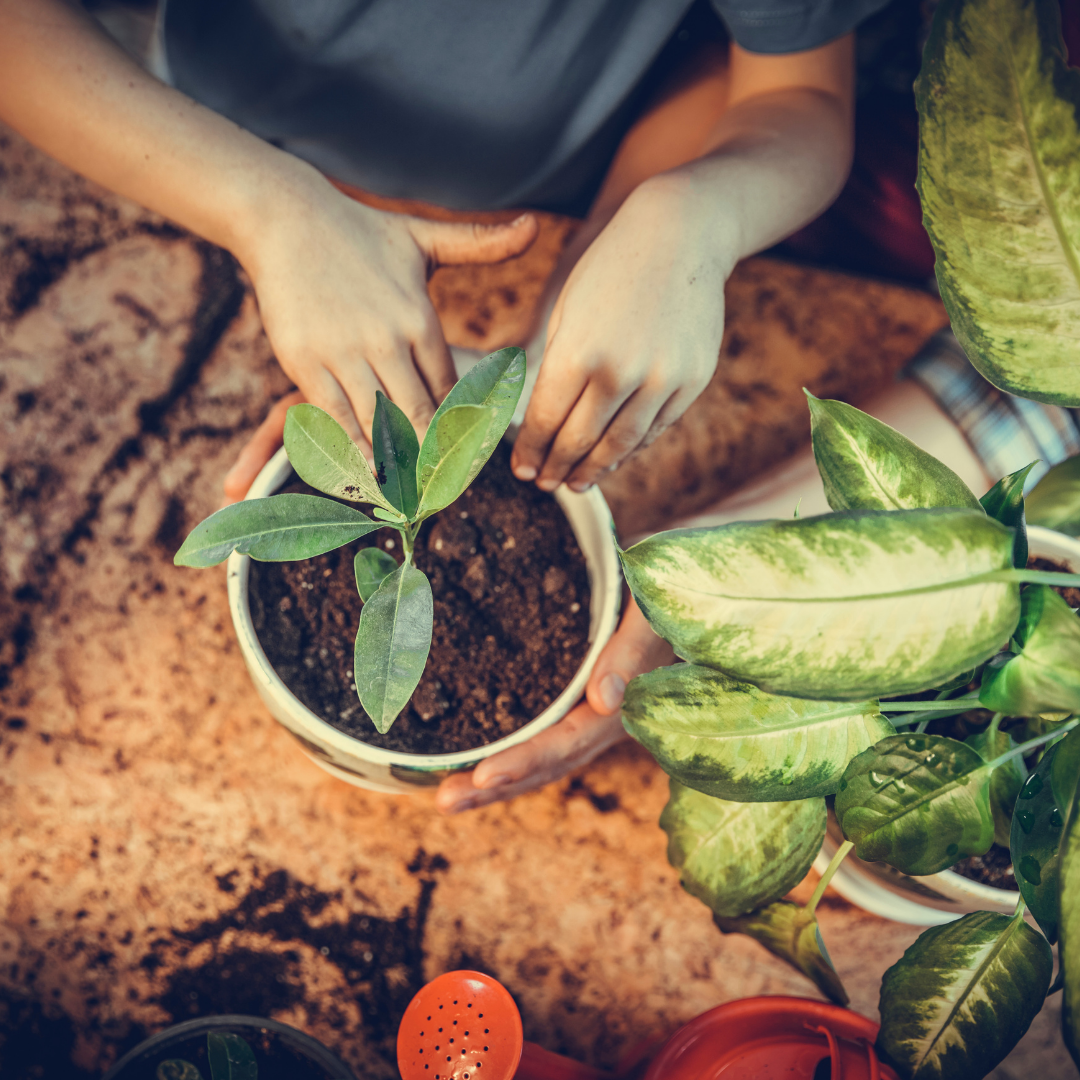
(1045, 676)
(1054, 501)
(1004, 502)
(1037, 827)
(792, 933)
(1069, 908)
(282, 528)
(867, 465)
(962, 996)
(392, 644)
(1005, 781)
(371, 565)
(177, 1069)
(739, 856)
(999, 171)
(732, 740)
(844, 606)
(230, 1057)
(324, 456)
(395, 448)
(1065, 770)
(462, 433)
(494, 383)
(918, 802)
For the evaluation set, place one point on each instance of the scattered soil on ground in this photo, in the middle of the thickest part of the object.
(511, 595)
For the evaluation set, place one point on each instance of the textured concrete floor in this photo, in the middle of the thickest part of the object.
(165, 850)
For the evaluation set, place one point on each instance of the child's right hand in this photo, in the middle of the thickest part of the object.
(342, 290)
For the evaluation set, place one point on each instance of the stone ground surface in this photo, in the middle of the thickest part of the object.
(165, 849)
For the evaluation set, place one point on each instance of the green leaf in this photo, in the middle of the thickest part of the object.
(230, 1057)
(962, 996)
(737, 856)
(396, 449)
(177, 1069)
(1065, 770)
(494, 383)
(324, 456)
(1004, 502)
(917, 802)
(282, 528)
(729, 739)
(462, 433)
(370, 566)
(999, 167)
(867, 465)
(845, 606)
(1069, 907)
(1036, 837)
(1054, 501)
(791, 933)
(1045, 676)
(392, 644)
(1005, 781)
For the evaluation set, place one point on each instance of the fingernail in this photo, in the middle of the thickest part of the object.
(611, 690)
(460, 807)
(525, 472)
(519, 219)
(496, 781)
(547, 484)
(579, 486)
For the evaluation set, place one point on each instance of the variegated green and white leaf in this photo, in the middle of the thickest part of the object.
(843, 607)
(1068, 873)
(791, 933)
(324, 456)
(177, 1069)
(999, 171)
(1005, 781)
(962, 996)
(1045, 675)
(1054, 502)
(730, 739)
(867, 465)
(736, 857)
(918, 802)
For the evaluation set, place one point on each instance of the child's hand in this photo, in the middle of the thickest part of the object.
(633, 339)
(342, 290)
(585, 732)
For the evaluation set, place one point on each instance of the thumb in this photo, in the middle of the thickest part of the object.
(447, 243)
(633, 649)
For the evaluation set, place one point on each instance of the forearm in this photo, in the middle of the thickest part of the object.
(70, 90)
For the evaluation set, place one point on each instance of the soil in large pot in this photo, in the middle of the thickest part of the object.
(511, 627)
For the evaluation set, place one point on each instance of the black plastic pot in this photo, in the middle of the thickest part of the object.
(282, 1052)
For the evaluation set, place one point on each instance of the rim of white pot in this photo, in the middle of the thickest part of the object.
(936, 898)
(592, 524)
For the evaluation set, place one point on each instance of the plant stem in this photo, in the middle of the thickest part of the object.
(995, 723)
(960, 704)
(408, 539)
(1039, 577)
(921, 726)
(1033, 744)
(834, 865)
(1020, 905)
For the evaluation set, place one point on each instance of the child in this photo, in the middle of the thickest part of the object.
(685, 147)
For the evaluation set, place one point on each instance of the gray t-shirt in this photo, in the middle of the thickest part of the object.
(477, 104)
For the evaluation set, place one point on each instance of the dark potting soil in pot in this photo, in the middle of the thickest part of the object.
(995, 868)
(511, 595)
(1070, 594)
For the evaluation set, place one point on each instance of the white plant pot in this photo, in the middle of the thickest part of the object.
(395, 771)
(936, 898)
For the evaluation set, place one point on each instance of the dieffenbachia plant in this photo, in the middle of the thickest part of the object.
(410, 482)
(798, 636)
(229, 1057)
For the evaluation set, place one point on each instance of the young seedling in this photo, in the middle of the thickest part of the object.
(229, 1056)
(411, 481)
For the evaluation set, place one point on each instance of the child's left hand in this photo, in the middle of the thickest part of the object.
(585, 732)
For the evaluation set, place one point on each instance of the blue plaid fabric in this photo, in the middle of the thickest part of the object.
(1006, 432)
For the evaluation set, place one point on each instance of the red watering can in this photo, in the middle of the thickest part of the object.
(465, 1026)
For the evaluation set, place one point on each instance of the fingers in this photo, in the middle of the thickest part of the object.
(557, 390)
(259, 449)
(433, 360)
(569, 744)
(450, 243)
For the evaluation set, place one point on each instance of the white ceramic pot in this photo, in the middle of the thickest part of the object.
(936, 898)
(392, 770)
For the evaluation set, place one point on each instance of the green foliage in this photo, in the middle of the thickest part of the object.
(999, 168)
(1069, 892)
(737, 856)
(396, 449)
(283, 528)
(731, 740)
(1005, 781)
(230, 1057)
(177, 1069)
(1054, 502)
(792, 933)
(961, 997)
(1045, 675)
(370, 566)
(867, 465)
(844, 607)
(917, 802)
(413, 482)
(1005, 503)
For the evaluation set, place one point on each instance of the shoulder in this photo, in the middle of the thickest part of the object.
(785, 26)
